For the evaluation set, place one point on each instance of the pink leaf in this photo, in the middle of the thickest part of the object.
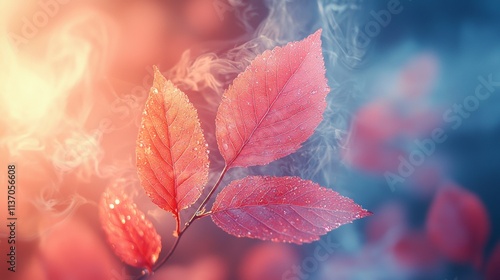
(370, 146)
(132, 236)
(286, 209)
(274, 106)
(458, 225)
(172, 157)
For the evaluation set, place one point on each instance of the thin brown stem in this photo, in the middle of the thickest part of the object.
(167, 256)
(199, 213)
(177, 225)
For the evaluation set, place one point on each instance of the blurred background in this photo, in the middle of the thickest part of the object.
(411, 131)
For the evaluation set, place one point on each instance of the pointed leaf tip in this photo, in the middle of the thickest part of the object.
(282, 209)
(171, 152)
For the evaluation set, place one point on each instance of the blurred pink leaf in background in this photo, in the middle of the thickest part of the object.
(413, 250)
(492, 270)
(267, 261)
(458, 224)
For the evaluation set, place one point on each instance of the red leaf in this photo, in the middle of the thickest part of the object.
(287, 209)
(493, 265)
(274, 106)
(132, 236)
(458, 225)
(172, 157)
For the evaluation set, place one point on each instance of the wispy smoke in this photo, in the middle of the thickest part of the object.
(51, 92)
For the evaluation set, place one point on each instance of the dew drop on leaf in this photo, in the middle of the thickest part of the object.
(255, 202)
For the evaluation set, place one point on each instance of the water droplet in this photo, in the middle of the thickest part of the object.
(117, 201)
(224, 146)
(111, 206)
(155, 90)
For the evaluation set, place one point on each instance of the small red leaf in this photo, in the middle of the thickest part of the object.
(132, 236)
(172, 157)
(458, 225)
(286, 209)
(274, 106)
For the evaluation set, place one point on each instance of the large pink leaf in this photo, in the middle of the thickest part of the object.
(274, 105)
(132, 236)
(458, 225)
(172, 158)
(286, 209)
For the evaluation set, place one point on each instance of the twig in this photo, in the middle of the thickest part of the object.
(199, 213)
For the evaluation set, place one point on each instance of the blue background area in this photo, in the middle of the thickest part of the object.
(465, 37)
